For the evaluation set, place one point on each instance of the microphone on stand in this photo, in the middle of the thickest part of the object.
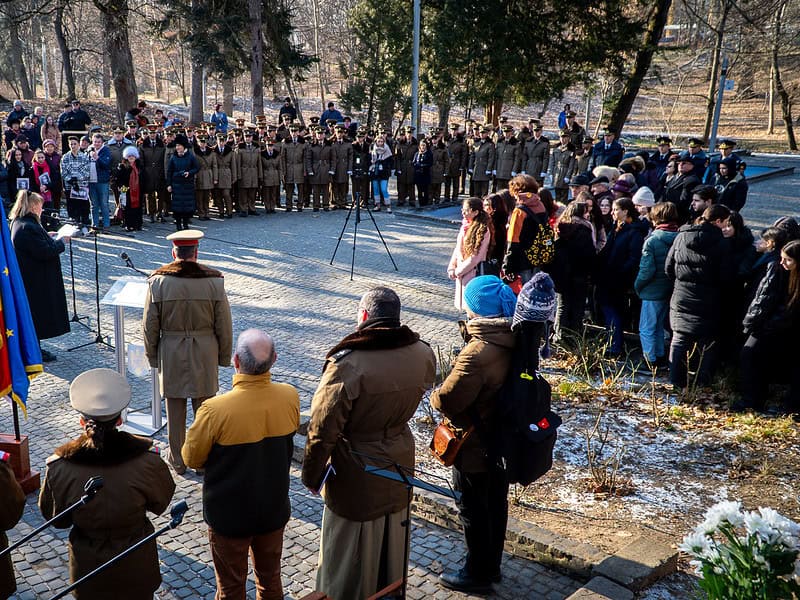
(129, 263)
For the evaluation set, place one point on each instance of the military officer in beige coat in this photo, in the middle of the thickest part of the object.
(226, 176)
(187, 333)
(481, 162)
(206, 178)
(249, 174)
(341, 165)
(536, 155)
(320, 156)
(293, 166)
(457, 152)
(508, 158)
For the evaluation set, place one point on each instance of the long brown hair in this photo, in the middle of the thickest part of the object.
(792, 250)
(479, 227)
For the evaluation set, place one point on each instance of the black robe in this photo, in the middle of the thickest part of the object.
(37, 254)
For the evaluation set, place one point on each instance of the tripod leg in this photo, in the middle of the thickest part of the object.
(380, 235)
(355, 203)
(339, 241)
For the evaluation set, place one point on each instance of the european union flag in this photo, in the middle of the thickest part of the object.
(20, 355)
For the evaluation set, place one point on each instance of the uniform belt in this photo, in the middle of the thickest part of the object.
(376, 436)
(187, 332)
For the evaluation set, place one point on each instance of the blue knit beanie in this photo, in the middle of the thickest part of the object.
(488, 296)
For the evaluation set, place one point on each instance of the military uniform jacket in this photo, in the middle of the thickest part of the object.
(582, 162)
(341, 160)
(536, 156)
(187, 328)
(136, 481)
(576, 135)
(457, 150)
(271, 167)
(226, 167)
(481, 160)
(404, 156)
(441, 162)
(508, 158)
(562, 165)
(207, 175)
(361, 157)
(153, 176)
(372, 383)
(293, 156)
(248, 166)
(320, 156)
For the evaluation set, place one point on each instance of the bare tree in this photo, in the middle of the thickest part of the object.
(786, 103)
(257, 58)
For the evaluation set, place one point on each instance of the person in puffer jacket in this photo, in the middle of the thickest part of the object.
(699, 265)
(770, 325)
(652, 284)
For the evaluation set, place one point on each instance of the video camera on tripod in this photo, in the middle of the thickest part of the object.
(360, 170)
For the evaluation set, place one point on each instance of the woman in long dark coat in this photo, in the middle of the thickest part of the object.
(37, 254)
(422, 163)
(181, 170)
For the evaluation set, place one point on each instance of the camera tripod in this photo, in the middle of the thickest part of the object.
(356, 203)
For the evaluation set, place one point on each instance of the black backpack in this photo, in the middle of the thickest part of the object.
(526, 425)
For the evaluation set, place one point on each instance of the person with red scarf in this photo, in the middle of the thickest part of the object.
(42, 184)
(128, 179)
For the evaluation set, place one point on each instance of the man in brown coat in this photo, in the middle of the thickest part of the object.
(187, 333)
(249, 174)
(341, 165)
(468, 397)
(226, 176)
(136, 481)
(371, 385)
(206, 178)
(294, 161)
(404, 152)
(12, 503)
(457, 150)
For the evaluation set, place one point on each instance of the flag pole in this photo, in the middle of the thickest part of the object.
(15, 408)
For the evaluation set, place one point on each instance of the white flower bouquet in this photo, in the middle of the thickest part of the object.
(742, 555)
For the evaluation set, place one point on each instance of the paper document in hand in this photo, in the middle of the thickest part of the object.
(67, 230)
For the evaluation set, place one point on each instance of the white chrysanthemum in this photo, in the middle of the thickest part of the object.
(696, 544)
(756, 525)
(722, 512)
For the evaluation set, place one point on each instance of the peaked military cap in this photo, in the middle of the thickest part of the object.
(100, 394)
(663, 139)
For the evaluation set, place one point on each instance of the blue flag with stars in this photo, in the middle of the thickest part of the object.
(20, 355)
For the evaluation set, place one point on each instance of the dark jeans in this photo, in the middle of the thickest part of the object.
(571, 307)
(483, 509)
(613, 309)
(766, 359)
(686, 348)
(181, 220)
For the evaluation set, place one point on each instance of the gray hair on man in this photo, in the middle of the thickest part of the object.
(381, 303)
(255, 352)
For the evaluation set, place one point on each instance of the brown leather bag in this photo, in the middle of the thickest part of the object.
(447, 441)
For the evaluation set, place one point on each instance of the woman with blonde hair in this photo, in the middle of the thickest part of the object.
(37, 253)
(472, 247)
(49, 129)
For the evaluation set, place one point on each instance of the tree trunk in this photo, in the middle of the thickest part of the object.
(711, 98)
(771, 100)
(106, 77)
(318, 53)
(61, 40)
(493, 110)
(227, 95)
(15, 54)
(644, 57)
(154, 69)
(118, 47)
(786, 102)
(196, 102)
(257, 58)
(444, 112)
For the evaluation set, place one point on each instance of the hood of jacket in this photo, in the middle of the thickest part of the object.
(493, 330)
(701, 238)
(570, 229)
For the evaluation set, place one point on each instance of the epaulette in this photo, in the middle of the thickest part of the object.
(52, 458)
(340, 355)
(154, 449)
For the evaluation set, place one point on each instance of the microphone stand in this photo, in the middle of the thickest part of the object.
(52, 219)
(176, 514)
(90, 489)
(129, 263)
(98, 339)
